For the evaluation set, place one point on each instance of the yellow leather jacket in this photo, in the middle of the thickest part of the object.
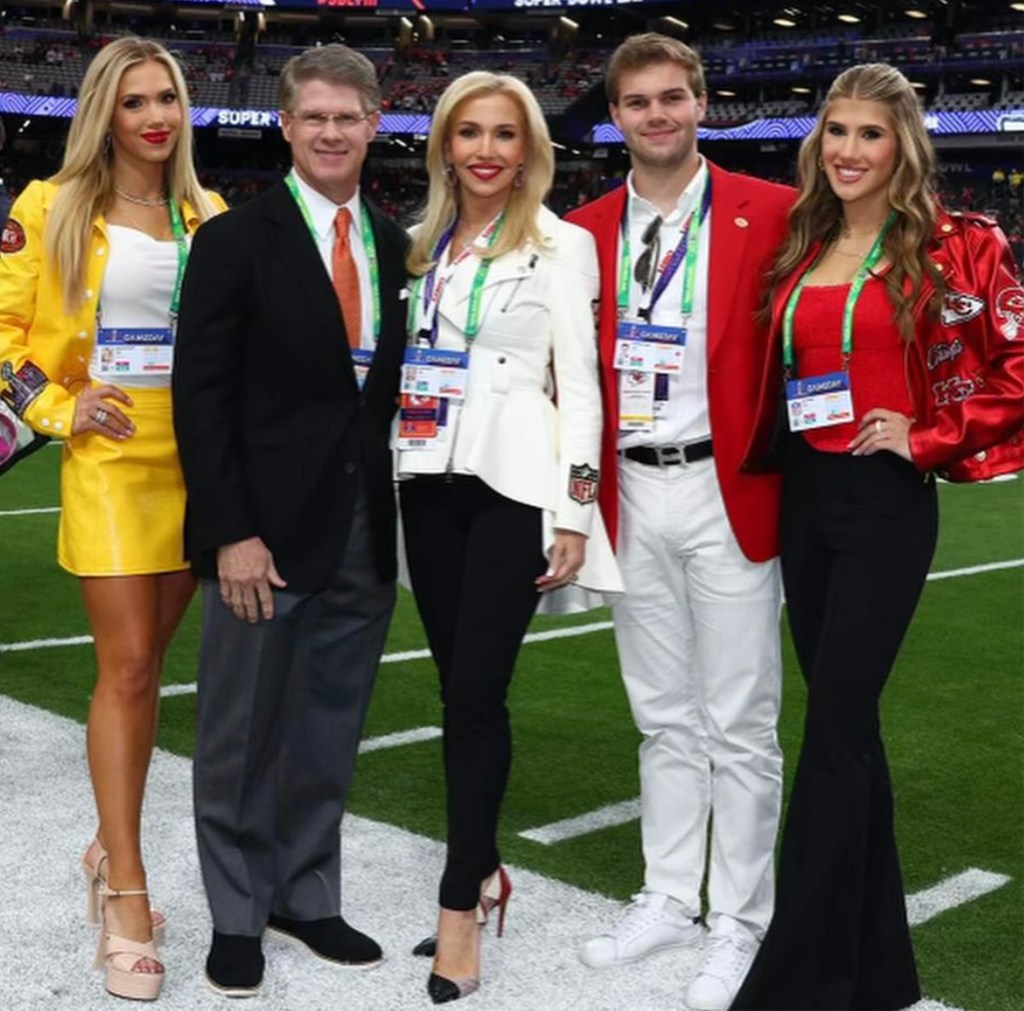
(44, 351)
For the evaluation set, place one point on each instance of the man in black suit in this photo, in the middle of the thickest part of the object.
(289, 347)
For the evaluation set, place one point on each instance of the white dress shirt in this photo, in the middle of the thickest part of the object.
(684, 418)
(323, 211)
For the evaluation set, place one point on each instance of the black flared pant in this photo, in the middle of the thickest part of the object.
(473, 557)
(858, 534)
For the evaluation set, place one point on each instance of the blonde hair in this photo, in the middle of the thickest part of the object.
(520, 225)
(817, 213)
(648, 49)
(85, 178)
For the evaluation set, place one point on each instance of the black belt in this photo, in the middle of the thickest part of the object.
(668, 456)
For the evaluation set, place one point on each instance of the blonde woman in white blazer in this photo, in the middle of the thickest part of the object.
(498, 447)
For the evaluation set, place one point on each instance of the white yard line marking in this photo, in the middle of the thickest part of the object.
(397, 740)
(18, 647)
(29, 512)
(551, 633)
(423, 654)
(973, 570)
(592, 821)
(955, 891)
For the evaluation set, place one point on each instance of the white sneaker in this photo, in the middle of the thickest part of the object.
(649, 924)
(724, 966)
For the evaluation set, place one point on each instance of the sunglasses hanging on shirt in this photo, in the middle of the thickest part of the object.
(646, 268)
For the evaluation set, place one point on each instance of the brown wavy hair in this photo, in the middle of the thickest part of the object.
(817, 213)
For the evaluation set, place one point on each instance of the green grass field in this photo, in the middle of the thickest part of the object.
(952, 713)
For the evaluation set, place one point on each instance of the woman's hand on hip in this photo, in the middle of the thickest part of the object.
(246, 572)
(96, 411)
(882, 429)
(566, 559)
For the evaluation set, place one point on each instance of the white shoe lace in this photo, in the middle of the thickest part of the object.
(637, 918)
(726, 956)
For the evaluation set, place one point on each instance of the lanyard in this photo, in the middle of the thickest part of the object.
(178, 231)
(181, 241)
(369, 244)
(857, 285)
(687, 248)
(431, 287)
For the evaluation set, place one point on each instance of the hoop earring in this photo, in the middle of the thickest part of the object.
(451, 180)
(520, 178)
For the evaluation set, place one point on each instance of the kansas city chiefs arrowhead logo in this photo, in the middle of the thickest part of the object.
(959, 307)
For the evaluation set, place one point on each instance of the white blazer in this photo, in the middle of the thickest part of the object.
(530, 425)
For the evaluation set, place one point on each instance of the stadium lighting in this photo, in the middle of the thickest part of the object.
(850, 19)
(1017, 7)
(799, 89)
(569, 23)
(678, 22)
(918, 84)
(723, 26)
(725, 93)
(913, 12)
(784, 22)
(981, 82)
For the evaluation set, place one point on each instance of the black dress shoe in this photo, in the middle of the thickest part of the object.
(234, 966)
(332, 939)
(443, 990)
(427, 947)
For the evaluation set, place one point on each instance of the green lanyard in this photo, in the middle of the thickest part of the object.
(859, 280)
(689, 238)
(180, 239)
(476, 294)
(369, 244)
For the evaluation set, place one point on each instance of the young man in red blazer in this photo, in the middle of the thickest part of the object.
(683, 247)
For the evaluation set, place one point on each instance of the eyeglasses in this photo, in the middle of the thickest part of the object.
(344, 121)
(647, 263)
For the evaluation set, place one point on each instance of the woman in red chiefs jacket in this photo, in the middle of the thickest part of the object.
(899, 331)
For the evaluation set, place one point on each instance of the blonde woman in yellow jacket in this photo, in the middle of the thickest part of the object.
(91, 267)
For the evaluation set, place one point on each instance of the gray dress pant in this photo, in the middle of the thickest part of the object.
(281, 705)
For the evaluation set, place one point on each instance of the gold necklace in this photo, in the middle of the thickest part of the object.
(853, 256)
(160, 201)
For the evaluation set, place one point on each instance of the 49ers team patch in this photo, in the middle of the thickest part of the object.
(13, 238)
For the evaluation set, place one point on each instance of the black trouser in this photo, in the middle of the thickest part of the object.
(858, 534)
(473, 557)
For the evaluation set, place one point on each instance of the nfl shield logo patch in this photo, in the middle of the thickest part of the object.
(582, 483)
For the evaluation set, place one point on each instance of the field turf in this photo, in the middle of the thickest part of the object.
(952, 722)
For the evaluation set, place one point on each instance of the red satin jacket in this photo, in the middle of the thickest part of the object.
(964, 368)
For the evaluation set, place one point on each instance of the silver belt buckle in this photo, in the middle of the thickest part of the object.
(668, 456)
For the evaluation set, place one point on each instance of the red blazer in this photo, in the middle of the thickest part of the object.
(964, 368)
(748, 222)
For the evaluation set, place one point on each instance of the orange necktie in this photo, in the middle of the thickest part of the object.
(345, 278)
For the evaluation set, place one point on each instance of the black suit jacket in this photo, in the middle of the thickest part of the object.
(273, 432)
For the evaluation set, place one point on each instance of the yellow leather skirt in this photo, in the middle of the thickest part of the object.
(123, 503)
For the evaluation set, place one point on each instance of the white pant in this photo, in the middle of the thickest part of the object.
(698, 640)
